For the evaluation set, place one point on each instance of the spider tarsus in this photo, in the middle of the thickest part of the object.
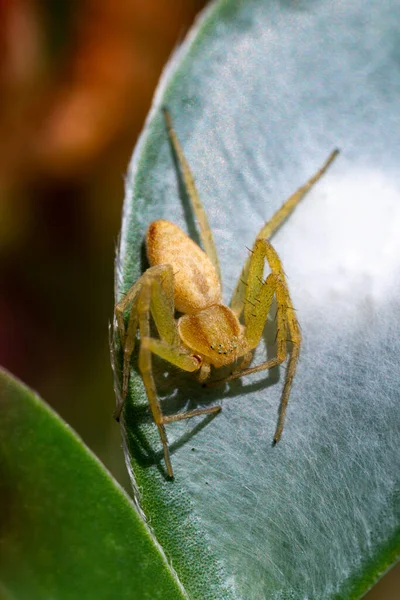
(117, 411)
(276, 439)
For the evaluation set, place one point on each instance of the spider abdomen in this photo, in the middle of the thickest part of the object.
(196, 283)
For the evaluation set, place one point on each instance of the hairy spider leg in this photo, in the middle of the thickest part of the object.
(197, 206)
(259, 296)
(268, 230)
(153, 294)
(165, 325)
(127, 337)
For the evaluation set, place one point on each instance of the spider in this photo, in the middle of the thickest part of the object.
(185, 279)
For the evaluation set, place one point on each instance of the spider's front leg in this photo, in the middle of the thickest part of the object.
(153, 294)
(159, 278)
(268, 230)
(258, 300)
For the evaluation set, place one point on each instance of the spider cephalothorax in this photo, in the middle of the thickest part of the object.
(184, 278)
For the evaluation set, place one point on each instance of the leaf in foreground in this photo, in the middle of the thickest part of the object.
(66, 528)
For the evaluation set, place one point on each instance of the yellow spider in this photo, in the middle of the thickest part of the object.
(185, 279)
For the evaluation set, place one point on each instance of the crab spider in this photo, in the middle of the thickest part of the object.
(185, 279)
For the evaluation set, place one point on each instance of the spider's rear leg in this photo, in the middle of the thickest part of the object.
(197, 205)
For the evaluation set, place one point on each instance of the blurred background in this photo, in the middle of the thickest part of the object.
(76, 83)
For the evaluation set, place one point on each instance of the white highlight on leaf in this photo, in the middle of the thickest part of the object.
(339, 246)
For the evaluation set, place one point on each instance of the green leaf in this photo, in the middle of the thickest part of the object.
(260, 93)
(66, 528)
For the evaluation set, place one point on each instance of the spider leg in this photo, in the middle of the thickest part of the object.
(268, 230)
(259, 296)
(197, 206)
(246, 360)
(127, 337)
(164, 309)
(153, 295)
(178, 357)
(175, 355)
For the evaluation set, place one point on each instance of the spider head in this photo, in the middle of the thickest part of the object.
(215, 333)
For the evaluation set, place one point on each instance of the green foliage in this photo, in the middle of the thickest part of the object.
(67, 530)
(260, 93)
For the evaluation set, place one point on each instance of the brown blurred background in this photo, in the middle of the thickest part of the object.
(76, 82)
